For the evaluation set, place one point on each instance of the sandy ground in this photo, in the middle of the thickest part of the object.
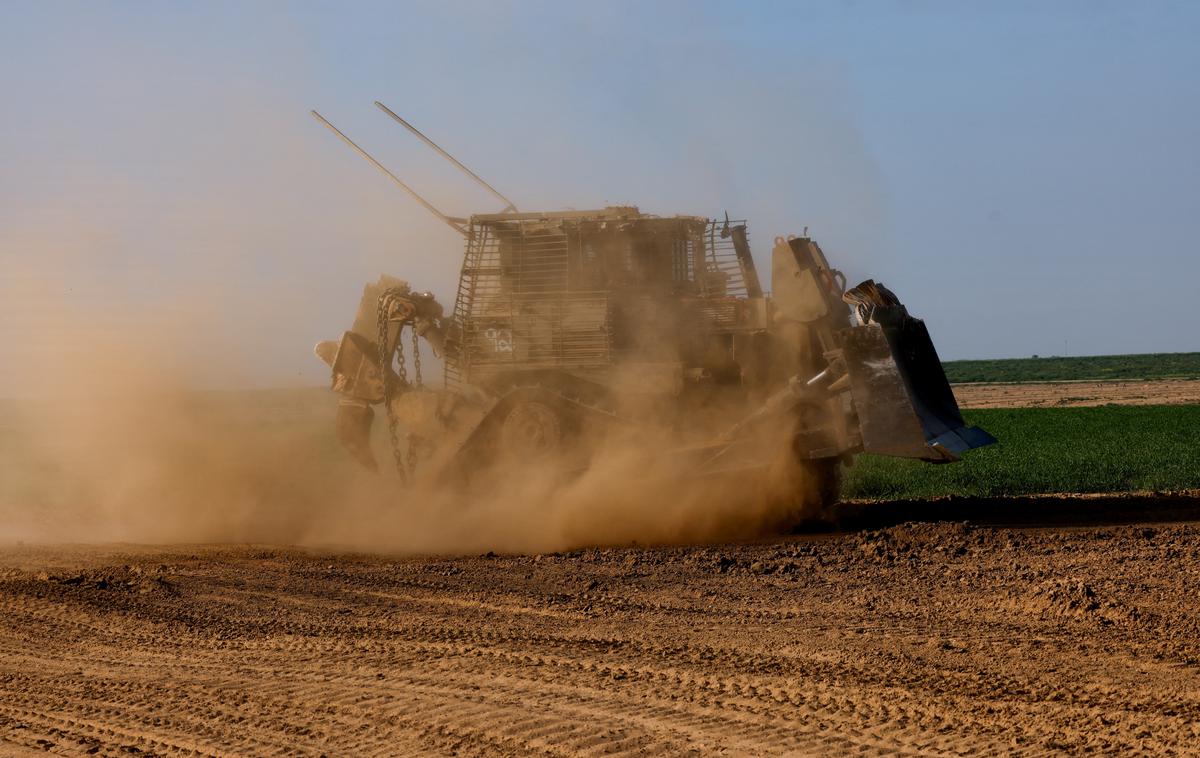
(1165, 392)
(924, 638)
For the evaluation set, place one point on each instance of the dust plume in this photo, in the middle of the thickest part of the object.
(117, 447)
(114, 442)
(119, 435)
(633, 490)
(200, 232)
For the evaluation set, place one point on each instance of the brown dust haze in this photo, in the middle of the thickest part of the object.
(117, 446)
(124, 306)
(122, 312)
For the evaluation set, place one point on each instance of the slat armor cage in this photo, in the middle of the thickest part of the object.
(537, 290)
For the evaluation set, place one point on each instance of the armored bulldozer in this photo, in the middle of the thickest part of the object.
(570, 327)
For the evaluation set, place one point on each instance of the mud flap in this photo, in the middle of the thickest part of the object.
(904, 402)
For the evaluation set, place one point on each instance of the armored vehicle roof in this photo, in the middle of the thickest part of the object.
(611, 213)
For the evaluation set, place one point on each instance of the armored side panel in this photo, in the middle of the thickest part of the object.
(570, 291)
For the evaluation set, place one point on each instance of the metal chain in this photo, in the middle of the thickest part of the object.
(417, 358)
(414, 442)
(401, 370)
(386, 301)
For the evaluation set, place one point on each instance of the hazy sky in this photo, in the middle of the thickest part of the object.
(1025, 176)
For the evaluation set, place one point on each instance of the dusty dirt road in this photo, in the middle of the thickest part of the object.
(1058, 394)
(916, 639)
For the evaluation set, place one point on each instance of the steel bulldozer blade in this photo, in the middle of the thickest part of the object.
(904, 403)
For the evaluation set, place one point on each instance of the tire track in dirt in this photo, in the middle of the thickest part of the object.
(920, 639)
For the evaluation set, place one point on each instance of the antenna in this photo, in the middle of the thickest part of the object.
(510, 205)
(454, 223)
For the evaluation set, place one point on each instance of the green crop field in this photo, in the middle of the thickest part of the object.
(1042, 450)
(1095, 367)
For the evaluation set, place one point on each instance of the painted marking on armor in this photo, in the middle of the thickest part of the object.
(501, 339)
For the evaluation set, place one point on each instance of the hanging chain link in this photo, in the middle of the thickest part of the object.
(415, 442)
(386, 301)
(417, 359)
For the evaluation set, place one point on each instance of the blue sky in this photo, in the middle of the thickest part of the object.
(1025, 175)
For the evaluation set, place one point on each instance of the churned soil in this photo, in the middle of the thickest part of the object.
(922, 638)
(1066, 394)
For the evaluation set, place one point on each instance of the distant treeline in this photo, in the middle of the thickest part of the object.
(1092, 367)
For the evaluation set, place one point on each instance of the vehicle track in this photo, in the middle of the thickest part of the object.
(917, 639)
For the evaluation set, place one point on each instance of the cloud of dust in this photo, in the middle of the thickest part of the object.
(114, 443)
(111, 440)
(635, 489)
(115, 439)
(116, 446)
(152, 257)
